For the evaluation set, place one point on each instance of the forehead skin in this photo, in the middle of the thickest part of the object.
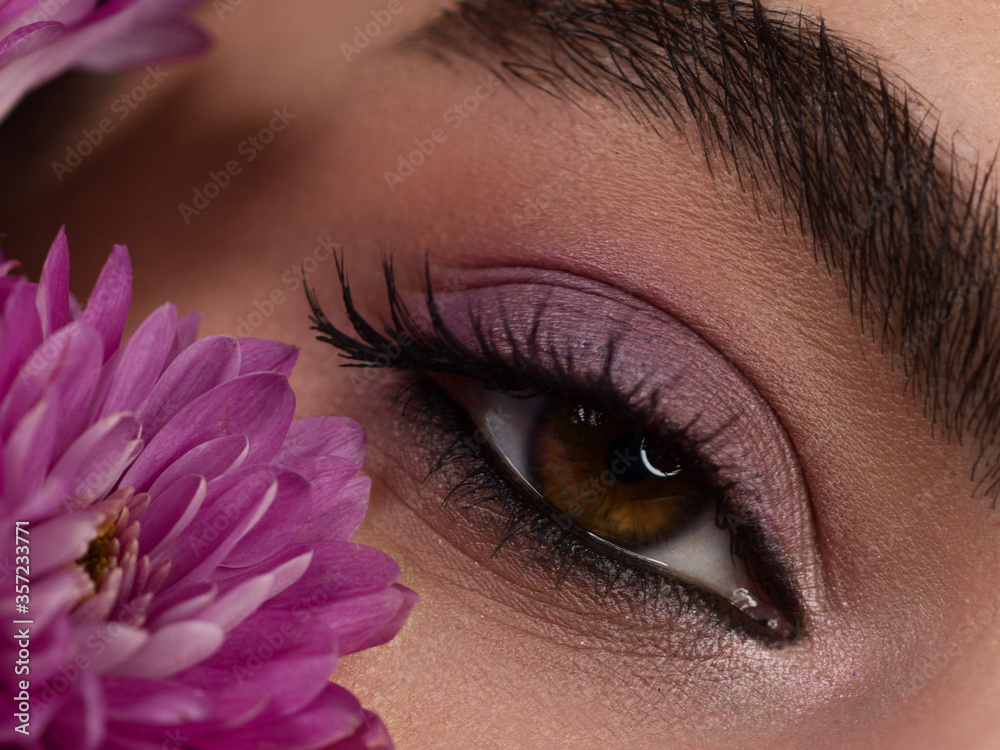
(913, 561)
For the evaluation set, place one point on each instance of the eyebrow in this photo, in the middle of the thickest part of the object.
(853, 152)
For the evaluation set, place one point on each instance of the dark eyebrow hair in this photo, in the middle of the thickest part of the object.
(853, 153)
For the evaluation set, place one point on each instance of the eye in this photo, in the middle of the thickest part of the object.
(644, 495)
(607, 431)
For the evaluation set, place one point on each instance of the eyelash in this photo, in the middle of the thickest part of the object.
(474, 473)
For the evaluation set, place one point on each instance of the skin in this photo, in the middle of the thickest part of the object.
(903, 645)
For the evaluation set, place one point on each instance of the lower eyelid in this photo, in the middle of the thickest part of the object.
(660, 362)
(569, 322)
(466, 499)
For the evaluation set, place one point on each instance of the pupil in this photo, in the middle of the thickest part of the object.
(631, 460)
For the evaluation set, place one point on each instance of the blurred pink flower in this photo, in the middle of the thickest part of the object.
(191, 580)
(39, 39)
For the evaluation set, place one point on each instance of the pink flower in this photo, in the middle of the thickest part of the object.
(39, 39)
(190, 581)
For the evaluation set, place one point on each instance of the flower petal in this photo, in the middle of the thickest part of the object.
(211, 459)
(132, 373)
(108, 305)
(21, 331)
(332, 718)
(326, 436)
(272, 657)
(173, 649)
(26, 455)
(68, 363)
(136, 700)
(80, 721)
(53, 286)
(259, 406)
(260, 355)
(172, 512)
(371, 619)
(166, 40)
(340, 499)
(199, 368)
(96, 459)
(182, 604)
(279, 525)
(235, 503)
(105, 645)
(60, 540)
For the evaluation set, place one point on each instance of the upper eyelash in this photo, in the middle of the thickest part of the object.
(437, 350)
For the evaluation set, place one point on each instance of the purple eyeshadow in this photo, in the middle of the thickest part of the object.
(596, 333)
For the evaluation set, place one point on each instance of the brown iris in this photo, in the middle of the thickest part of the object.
(612, 481)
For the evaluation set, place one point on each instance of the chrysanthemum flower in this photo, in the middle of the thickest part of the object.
(184, 542)
(39, 39)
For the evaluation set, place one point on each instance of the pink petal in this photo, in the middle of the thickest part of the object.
(93, 42)
(108, 305)
(69, 363)
(261, 355)
(211, 459)
(326, 436)
(53, 286)
(182, 604)
(97, 458)
(238, 603)
(22, 331)
(12, 8)
(279, 525)
(135, 700)
(26, 39)
(285, 568)
(65, 12)
(371, 619)
(333, 717)
(173, 649)
(272, 657)
(340, 501)
(60, 540)
(171, 512)
(132, 372)
(26, 455)
(187, 331)
(259, 406)
(105, 645)
(338, 571)
(166, 40)
(80, 721)
(199, 368)
(56, 594)
(235, 503)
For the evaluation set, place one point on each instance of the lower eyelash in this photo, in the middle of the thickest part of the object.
(475, 481)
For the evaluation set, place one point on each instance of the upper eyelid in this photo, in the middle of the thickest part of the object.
(791, 507)
(888, 204)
